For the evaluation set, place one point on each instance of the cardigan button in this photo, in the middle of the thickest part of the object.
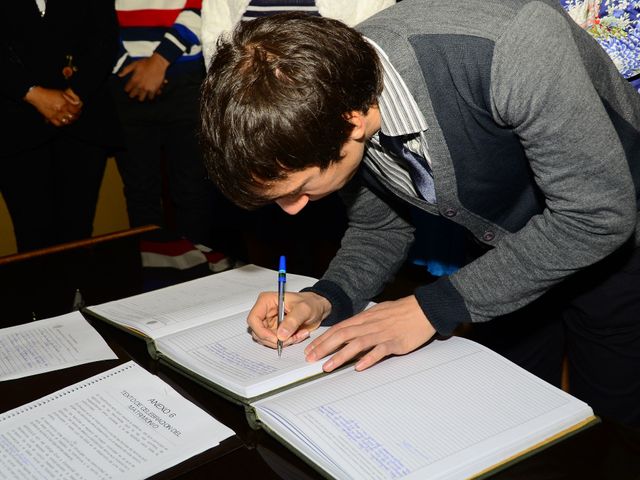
(450, 212)
(488, 236)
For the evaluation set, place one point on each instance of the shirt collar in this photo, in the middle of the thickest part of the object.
(399, 112)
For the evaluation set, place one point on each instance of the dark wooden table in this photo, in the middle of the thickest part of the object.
(109, 268)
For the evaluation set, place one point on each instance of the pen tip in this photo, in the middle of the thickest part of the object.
(283, 263)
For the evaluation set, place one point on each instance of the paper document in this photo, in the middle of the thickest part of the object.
(124, 423)
(51, 344)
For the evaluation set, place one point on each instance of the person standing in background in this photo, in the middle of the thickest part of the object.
(60, 126)
(220, 16)
(156, 84)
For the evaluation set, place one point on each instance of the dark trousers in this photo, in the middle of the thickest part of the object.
(161, 136)
(51, 191)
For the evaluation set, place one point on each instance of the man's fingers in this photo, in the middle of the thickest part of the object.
(266, 333)
(288, 327)
(265, 307)
(263, 341)
(311, 350)
(261, 319)
(333, 338)
(373, 357)
(330, 341)
(264, 327)
(346, 353)
(299, 336)
(299, 320)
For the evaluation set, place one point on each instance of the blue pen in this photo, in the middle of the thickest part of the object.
(282, 279)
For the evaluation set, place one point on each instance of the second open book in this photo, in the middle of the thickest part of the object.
(452, 409)
(200, 328)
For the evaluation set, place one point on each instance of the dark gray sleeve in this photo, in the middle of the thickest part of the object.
(373, 248)
(541, 89)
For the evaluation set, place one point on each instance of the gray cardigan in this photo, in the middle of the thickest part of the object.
(535, 144)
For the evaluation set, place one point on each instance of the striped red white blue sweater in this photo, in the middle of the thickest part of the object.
(170, 28)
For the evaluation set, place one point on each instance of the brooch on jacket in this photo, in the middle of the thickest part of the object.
(69, 69)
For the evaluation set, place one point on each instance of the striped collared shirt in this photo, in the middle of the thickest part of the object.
(400, 116)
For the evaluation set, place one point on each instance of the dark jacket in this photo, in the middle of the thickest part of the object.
(34, 51)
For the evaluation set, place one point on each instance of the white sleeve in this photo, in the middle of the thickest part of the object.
(218, 17)
(351, 12)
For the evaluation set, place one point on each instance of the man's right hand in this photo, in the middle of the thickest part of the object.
(303, 313)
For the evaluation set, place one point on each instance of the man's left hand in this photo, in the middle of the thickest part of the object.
(388, 328)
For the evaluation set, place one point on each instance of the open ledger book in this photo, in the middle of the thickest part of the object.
(452, 409)
(200, 329)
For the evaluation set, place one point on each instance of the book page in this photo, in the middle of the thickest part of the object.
(178, 307)
(50, 344)
(124, 423)
(225, 353)
(448, 410)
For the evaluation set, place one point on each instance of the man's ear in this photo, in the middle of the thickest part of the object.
(359, 122)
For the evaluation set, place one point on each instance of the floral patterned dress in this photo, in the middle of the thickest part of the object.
(615, 24)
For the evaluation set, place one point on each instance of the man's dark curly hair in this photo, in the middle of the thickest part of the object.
(276, 97)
